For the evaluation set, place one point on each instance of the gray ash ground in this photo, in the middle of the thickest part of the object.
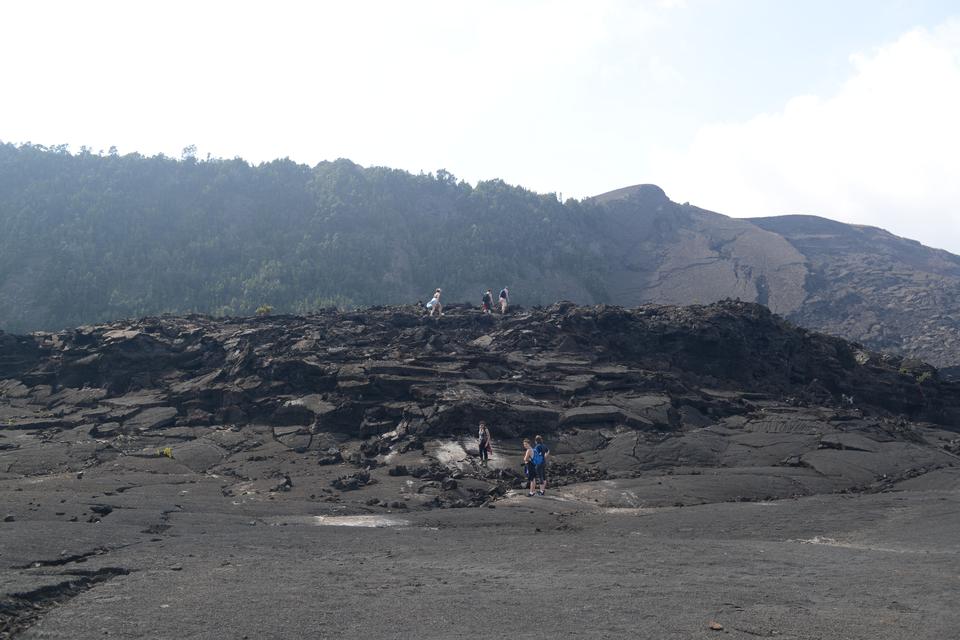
(318, 476)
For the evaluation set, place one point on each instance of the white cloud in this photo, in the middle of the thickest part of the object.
(663, 73)
(884, 150)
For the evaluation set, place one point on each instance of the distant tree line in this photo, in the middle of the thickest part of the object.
(89, 237)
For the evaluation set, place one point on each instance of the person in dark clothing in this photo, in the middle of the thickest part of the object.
(528, 465)
(487, 303)
(483, 441)
(538, 458)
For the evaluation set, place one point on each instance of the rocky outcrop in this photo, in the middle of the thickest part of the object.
(363, 400)
(17, 354)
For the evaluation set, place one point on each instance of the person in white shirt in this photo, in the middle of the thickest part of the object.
(434, 304)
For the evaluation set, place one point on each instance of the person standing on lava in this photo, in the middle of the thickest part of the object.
(483, 442)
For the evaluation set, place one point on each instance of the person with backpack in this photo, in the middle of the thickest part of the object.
(434, 304)
(483, 438)
(504, 299)
(487, 303)
(528, 470)
(538, 459)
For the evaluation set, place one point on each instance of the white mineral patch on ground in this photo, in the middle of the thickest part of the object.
(447, 452)
(371, 521)
(520, 496)
(360, 521)
(636, 511)
(831, 542)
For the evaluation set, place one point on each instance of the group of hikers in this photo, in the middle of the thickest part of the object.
(535, 456)
(486, 304)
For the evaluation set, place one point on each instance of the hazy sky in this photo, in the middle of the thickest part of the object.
(846, 109)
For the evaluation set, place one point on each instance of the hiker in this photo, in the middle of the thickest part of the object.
(483, 437)
(528, 470)
(434, 304)
(487, 303)
(504, 299)
(538, 459)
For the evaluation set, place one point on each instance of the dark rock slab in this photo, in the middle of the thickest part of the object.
(199, 455)
(302, 411)
(106, 430)
(151, 418)
(602, 414)
(83, 397)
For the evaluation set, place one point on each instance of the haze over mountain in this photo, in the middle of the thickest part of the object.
(89, 238)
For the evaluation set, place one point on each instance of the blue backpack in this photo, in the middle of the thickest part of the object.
(539, 455)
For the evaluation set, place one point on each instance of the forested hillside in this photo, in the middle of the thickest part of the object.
(89, 238)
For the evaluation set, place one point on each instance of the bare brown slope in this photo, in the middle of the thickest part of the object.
(667, 253)
(871, 286)
(860, 283)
